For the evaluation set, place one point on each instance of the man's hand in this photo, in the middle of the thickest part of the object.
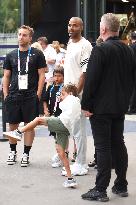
(87, 113)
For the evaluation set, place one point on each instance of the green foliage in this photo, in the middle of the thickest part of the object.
(9, 15)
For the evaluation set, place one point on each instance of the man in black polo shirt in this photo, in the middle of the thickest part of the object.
(108, 86)
(24, 75)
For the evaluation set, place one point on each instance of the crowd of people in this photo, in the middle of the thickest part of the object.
(67, 86)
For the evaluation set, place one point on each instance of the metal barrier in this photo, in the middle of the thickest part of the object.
(3, 109)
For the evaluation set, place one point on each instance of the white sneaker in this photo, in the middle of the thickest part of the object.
(70, 183)
(25, 160)
(12, 158)
(56, 164)
(55, 158)
(13, 134)
(76, 170)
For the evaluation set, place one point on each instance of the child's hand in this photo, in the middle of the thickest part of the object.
(46, 113)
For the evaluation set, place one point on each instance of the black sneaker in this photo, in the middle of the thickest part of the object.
(122, 193)
(12, 158)
(95, 195)
(92, 164)
(25, 160)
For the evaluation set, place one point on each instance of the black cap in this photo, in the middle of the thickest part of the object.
(133, 35)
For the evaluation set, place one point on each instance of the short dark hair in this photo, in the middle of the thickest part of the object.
(70, 88)
(43, 39)
(59, 69)
(31, 30)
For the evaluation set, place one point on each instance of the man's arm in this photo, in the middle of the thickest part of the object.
(6, 82)
(81, 83)
(93, 78)
(41, 73)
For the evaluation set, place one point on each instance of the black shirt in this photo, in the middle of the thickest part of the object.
(49, 97)
(110, 78)
(36, 61)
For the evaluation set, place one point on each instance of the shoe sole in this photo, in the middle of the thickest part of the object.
(97, 199)
(121, 194)
(11, 136)
(8, 163)
(73, 174)
(25, 165)
(71, 186)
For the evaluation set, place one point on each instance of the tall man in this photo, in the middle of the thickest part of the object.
(75, 64)
(108, 86)
(23, 81)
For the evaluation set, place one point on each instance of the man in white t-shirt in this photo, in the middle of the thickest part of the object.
(75, 64)
(50, 56)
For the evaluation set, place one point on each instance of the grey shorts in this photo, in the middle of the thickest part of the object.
(62, 133)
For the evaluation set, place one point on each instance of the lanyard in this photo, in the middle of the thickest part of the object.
(57, 96)
(27, 60)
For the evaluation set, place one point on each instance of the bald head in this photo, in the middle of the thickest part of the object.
(77, 19)
(75, 28)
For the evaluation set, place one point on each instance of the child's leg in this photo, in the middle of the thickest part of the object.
(64, 159)
(31, 125)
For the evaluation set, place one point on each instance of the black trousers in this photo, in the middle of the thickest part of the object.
(109, 143)
(132, 106)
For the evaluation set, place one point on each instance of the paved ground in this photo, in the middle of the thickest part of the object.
(40, 184)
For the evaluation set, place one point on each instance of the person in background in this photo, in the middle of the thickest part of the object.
(109, 82)
(60, 53)
(132, 105)
(23, 82)
(63, 125)
(50, 56)
(41, 109)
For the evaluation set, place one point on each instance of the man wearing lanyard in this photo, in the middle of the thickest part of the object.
(24, 74)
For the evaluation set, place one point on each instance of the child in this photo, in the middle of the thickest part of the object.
(51, 99)
(64, 125)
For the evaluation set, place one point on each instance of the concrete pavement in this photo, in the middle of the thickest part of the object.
(41, 184)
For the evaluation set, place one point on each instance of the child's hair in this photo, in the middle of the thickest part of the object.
(59, 69)
(70, 88)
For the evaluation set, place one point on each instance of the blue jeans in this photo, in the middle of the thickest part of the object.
(109, 143)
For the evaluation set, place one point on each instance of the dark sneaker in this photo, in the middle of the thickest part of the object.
(92, 164)
(12, 158)
(95, 195)
(25, 160)
(122, 193)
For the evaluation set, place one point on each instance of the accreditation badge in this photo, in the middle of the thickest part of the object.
(23, 82)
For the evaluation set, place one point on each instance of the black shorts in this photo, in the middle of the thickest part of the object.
(21, 109)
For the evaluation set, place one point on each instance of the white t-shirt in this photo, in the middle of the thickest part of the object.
(59, 57)
(50, 53)
(76, 59)
(71, 112)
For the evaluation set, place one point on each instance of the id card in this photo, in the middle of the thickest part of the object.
(23, 82)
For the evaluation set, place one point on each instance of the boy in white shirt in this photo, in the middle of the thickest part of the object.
(64, 125)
